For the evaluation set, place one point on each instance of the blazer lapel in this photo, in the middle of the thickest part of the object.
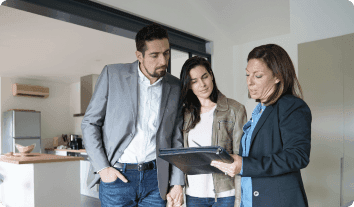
(132, 81)
(164, 97)
(261, 121)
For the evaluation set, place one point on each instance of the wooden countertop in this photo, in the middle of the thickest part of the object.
(37, 158)
(67, 150)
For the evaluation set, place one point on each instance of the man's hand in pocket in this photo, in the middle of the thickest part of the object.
(110, 174)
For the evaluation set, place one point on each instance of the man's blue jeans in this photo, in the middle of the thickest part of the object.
(210, 202)
(141, 190)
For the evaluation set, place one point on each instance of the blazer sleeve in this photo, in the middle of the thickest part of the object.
(295, 131)
(177, 176)
(92, 123)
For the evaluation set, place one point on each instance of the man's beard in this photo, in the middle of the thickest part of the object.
(155, 74)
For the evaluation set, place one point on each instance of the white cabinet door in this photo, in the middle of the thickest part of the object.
(84, 169)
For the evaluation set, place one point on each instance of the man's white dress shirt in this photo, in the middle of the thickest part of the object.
(143, 146)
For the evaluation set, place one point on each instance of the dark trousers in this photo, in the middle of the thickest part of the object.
(141, 190)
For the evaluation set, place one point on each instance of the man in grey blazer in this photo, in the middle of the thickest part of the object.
(135, 111)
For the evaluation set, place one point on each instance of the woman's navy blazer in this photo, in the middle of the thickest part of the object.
(280, 147)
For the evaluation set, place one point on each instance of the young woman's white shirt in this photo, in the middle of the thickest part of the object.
(202, 185)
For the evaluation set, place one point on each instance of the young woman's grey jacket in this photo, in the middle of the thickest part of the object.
(229, 118)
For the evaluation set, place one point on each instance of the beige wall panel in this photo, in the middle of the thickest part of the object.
(321, 79)
(347, 45)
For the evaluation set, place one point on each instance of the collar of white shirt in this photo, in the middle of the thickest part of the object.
(143, 79)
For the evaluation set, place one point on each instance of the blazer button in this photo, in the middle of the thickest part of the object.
(256, 193)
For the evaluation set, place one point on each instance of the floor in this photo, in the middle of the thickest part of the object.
(86, 201)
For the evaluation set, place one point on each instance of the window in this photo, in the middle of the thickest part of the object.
(178, 58)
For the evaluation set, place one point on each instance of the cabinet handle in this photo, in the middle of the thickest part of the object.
(1, 178)
(341, 181)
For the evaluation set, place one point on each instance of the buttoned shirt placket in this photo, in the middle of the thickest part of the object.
(151, 104)
(143, 146)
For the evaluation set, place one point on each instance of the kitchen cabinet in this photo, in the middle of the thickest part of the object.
(84, 169)
(84, 189)
(40, 180)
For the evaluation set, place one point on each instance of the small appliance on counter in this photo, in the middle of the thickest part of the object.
(73, 145)
(79, 142)
(75, 142)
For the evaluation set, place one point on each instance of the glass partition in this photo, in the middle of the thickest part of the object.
(177, 60)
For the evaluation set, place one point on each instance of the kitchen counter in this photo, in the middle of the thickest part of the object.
(40, 180)
(37, 158)
(66, 150)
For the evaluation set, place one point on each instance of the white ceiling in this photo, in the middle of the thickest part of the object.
(249, 20)
(240, 21)
(42, 48)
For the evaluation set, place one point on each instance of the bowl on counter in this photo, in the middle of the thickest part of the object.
(25, 150)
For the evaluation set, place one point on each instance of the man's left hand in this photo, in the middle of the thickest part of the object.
(175, 196)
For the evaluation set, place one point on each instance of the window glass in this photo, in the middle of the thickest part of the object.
(199, 56)
(178, 58)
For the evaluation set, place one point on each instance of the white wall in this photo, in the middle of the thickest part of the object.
(56, 118)
(190, 17)
(75, 107)
(310, 20)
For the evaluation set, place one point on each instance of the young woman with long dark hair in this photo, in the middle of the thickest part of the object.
(210, 119)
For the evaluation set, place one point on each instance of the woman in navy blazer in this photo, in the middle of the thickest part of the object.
(276, 141)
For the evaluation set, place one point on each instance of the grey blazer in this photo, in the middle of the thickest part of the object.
(110, 121)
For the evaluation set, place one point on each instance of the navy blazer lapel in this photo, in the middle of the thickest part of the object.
(132, 81)
(164, 97)
(261, 121)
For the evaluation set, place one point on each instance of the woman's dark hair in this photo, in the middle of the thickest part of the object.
(149, 33)
(190, 101)
(279, 62)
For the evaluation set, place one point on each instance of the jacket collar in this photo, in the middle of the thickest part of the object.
(133, 70)
(261, 121)
(132, 80)
(222, 103)
(131, 77)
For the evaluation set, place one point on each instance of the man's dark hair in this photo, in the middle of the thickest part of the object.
(149, 33)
